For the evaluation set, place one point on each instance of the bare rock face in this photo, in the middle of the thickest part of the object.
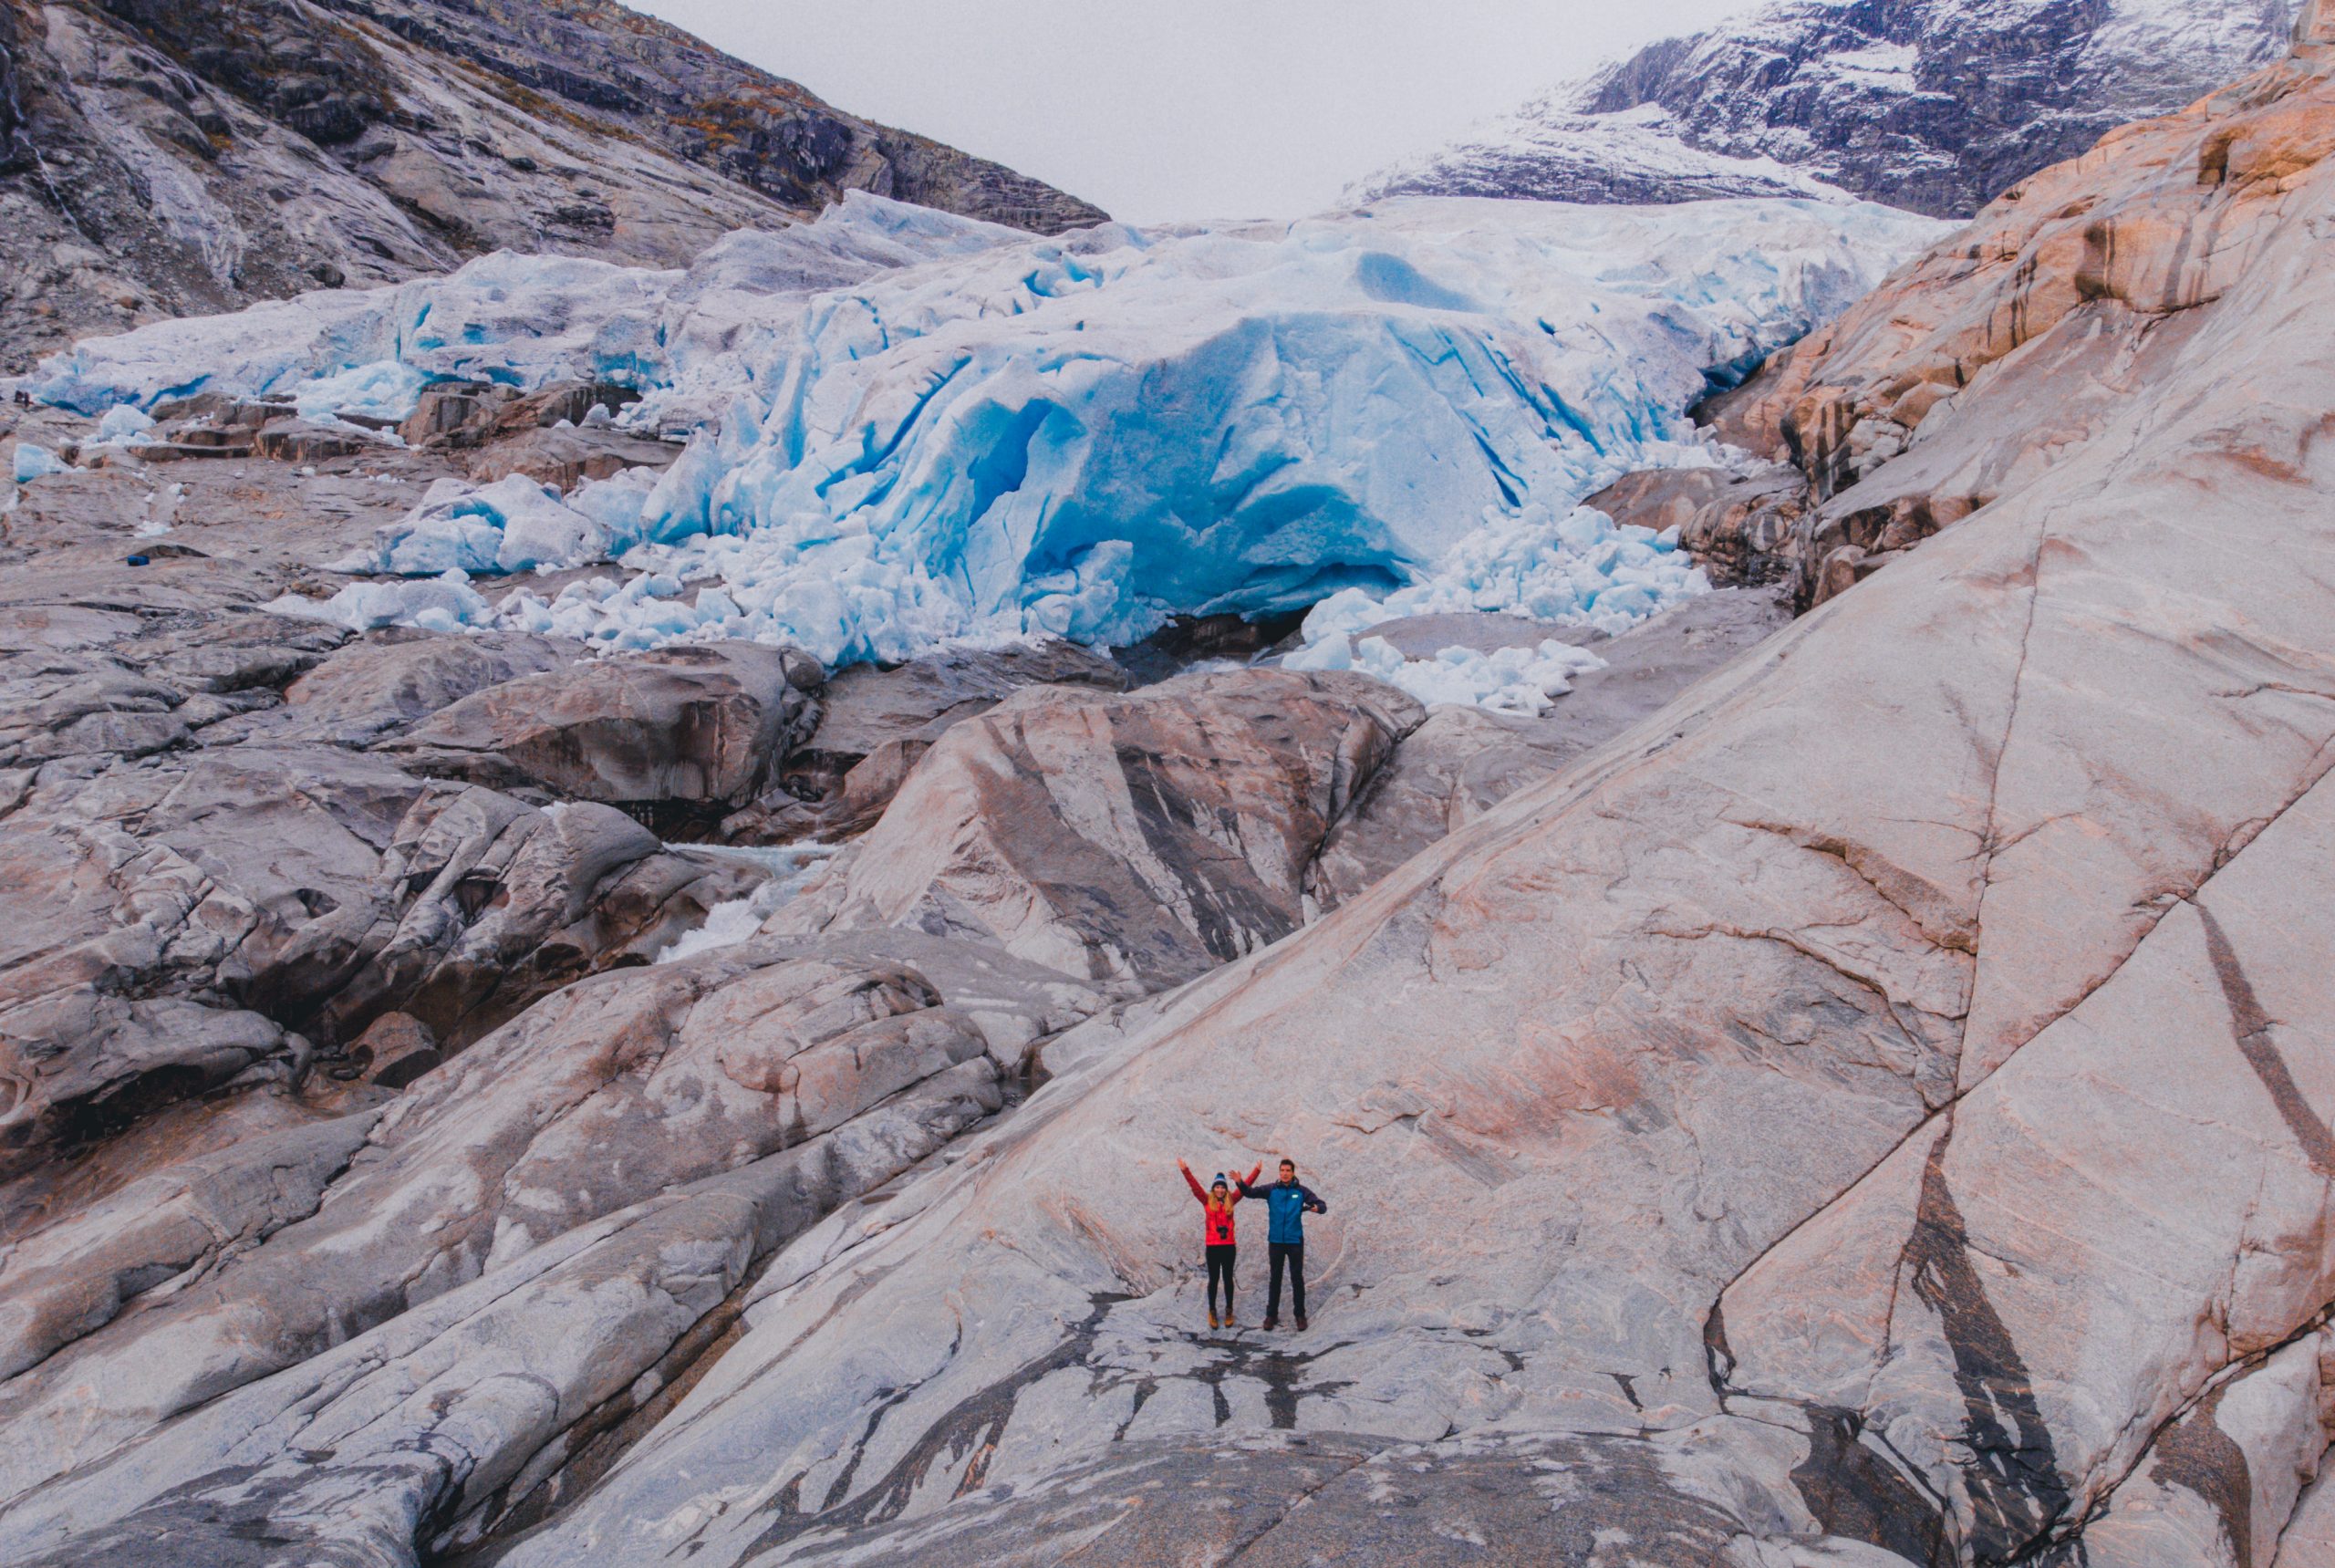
(383, 683)
(180, 916)
(173, 157)
(2066, 301)
(1142, 839)
(703, 726)
(584, 1196)
(1464, 761)
(660, 84)
(73, 1277)
(215, 887)
(1876, 1113)
(876, 724)
(600, 1174)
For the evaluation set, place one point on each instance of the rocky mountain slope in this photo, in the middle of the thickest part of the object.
(161, 158)
(325, 938)
(1874, 1112)
(1936, 105)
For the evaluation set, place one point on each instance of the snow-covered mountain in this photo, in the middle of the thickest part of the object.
(1936, 105)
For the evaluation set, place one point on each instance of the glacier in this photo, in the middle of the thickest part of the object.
(906, 430)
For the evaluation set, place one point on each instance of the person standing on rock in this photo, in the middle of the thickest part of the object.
(1286, 1201)
(1215, 1212)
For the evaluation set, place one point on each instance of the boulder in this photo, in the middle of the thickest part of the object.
(1134, 840)
(395, 1049)
(564, 458)
(867, 705)
(876, 723)
(385, 681)
(297, 440)
(694, 727)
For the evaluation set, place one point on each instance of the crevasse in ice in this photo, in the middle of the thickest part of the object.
(908, 429)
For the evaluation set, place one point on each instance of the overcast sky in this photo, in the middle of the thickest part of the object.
(1185, 108)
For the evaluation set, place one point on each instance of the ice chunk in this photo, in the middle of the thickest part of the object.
(383, 390)
(509, 525)
(1508, 680)
(1579, 570)
(123, 425)
(37, 462)
(447, 603)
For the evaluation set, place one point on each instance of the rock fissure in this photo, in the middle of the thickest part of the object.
(2252, 1030)
(1241, 1549)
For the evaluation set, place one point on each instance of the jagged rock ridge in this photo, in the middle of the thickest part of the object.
(1935, 105)
(161, 158)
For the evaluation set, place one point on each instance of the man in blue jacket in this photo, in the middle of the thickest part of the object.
(1286, 1203)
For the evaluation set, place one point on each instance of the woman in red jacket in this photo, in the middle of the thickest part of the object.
(1216, 1210)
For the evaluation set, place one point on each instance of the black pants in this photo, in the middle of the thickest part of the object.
(1220, 1267)
(1293, 1254)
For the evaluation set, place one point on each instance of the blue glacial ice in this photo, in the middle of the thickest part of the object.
(34, 462)
(907, 428)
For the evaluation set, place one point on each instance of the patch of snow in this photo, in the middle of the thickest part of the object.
(1888, 66)
(162, 511)
(1546, 151)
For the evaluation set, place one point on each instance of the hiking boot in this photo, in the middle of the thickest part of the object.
(1301, 1322)
(1272, 1323)
(1232, 1322)
(1211, 1318)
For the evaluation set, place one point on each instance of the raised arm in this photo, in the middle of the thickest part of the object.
(1192, 1182)
(1241, 1184)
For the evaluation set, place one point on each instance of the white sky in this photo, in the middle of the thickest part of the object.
(1185, 108)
